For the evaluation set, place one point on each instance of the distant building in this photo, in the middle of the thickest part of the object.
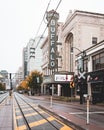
(38, 53)
(18, 77)
(25, 59)
(32, 56)
(4, 78)
(4, 73)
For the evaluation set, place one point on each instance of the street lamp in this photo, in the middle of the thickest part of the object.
(83, 56)
(81, 77)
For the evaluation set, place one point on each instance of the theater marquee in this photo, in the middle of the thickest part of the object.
(63, 77)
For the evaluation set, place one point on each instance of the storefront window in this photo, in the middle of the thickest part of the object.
(98, 61)
(86, 65)
(102, 62)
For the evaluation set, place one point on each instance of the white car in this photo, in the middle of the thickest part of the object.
(1, 92)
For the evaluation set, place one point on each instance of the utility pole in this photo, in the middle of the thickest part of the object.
(81, 74)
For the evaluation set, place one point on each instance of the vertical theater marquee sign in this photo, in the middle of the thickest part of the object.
(52, 18)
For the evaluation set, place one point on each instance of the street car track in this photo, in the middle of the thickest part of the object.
(35, 118)
(3, 97)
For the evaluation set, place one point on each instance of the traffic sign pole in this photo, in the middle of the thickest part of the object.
(81, 78)
(51, 100)
(88, 109)
(71, 93)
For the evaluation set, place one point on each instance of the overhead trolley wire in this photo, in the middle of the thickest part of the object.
(43, 18)
(48, 24)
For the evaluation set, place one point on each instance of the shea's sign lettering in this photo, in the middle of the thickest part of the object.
(63, 77)
(52, 38)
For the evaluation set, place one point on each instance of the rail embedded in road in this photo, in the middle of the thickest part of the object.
(30, 116)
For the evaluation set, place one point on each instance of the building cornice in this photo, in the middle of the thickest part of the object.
(94, 48)
(84, 13)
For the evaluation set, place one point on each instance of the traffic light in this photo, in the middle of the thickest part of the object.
(10, 75)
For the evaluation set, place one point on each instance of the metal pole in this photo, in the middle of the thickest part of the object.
(83, 62)
(51, 101)
(88, 109)
(81, 87)
(71, 94)
(10, 78)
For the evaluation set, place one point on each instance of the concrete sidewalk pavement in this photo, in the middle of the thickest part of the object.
(6, 114)
(73, 120)
(79, 123)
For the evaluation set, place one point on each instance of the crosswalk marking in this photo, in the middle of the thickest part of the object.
(74, 113)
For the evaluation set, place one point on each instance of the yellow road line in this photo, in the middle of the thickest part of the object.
(23, 127)
(37, 123)
(66, 128)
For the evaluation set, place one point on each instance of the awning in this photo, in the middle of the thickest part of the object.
(96, 76)
(96, 81)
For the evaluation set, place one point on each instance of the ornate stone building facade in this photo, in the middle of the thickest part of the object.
(80, 31)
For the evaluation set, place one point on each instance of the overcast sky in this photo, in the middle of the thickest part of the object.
(20, 20)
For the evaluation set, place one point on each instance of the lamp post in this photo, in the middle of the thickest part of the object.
(83, 56)
(81, 72)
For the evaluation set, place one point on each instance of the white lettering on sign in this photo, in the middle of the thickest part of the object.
(52, 50)
(52, 63)
(52, 29)
(52, 38)
(52, 43)
(52, 35)
(51, 57)
(59, 77)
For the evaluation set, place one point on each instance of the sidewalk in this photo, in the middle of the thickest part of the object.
(6, 115)
(72, 119)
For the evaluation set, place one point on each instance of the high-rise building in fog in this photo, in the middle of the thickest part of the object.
(32, 56)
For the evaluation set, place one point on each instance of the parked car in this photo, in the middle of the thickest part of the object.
(1, 92)
(21, 92)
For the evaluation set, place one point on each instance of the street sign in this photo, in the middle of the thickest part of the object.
(81, 75)
(71, 84)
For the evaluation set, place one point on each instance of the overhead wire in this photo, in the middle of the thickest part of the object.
(42, 19)
(48, 24)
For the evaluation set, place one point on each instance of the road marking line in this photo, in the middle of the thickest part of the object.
(99, 112)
